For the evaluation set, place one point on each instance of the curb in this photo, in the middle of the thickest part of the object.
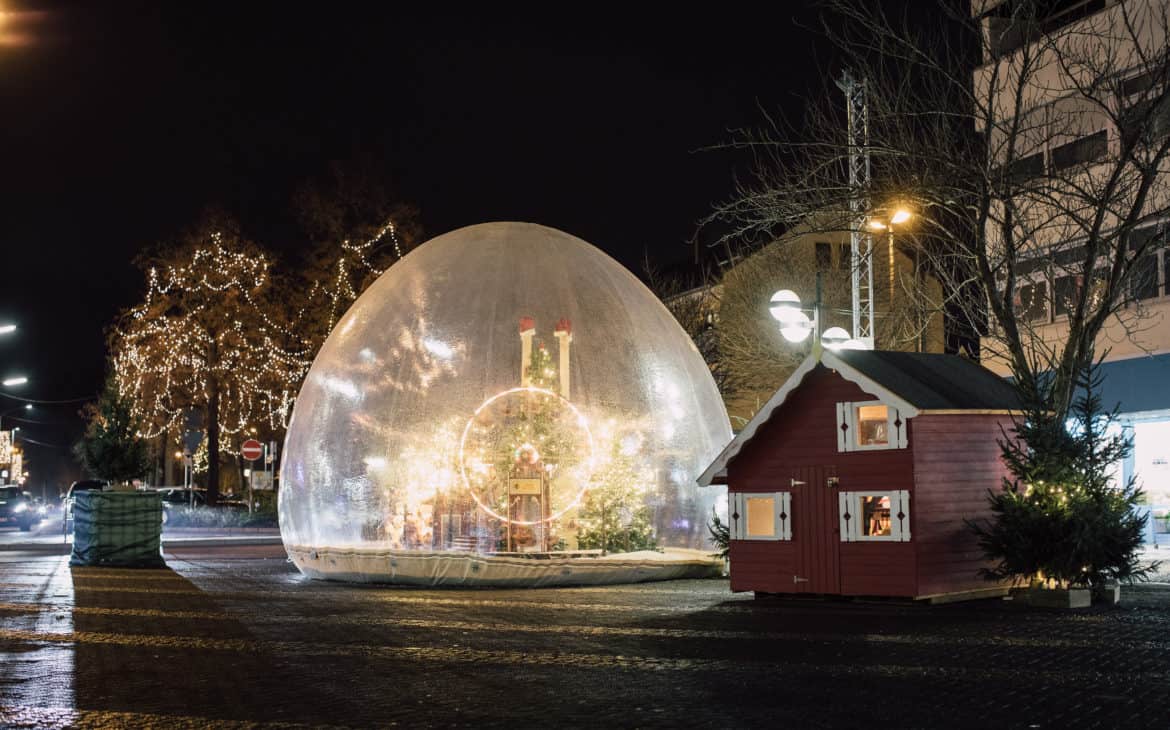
(59, 548)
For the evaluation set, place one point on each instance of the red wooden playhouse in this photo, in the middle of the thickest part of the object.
(856, 476)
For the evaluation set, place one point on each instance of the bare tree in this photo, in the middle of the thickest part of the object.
(1034, 150)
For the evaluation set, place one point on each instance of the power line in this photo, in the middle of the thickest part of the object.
(35, 401)
(42, 443)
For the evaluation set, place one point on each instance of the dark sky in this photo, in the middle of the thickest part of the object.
(122, 121)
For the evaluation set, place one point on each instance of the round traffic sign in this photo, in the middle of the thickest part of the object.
(252, 450)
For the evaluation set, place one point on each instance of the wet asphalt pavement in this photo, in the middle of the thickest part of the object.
(235, 637)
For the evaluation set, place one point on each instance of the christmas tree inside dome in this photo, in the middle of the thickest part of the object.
(507, 405)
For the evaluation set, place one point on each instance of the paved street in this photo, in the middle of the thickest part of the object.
(235, 637)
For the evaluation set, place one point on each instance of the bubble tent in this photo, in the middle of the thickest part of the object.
(507, 406)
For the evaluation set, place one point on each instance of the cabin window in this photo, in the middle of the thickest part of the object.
(875, 516)
(869, 425)
(760, 516)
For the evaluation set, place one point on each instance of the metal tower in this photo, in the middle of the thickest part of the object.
(860, 243)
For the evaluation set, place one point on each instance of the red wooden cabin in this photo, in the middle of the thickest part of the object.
(856, 476)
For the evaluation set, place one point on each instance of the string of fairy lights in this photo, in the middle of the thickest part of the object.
(216, 320)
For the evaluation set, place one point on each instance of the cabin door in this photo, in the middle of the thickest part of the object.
(816, 530)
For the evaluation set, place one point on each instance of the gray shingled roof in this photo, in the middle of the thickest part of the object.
(934, 382)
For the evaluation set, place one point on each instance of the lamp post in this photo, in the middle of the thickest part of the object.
(897, 218)
(796, 324)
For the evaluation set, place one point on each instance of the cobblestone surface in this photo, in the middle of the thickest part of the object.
(232, 638)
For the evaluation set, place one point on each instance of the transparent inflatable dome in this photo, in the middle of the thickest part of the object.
(506, 405)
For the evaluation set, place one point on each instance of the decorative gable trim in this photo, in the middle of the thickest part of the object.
(717, 469)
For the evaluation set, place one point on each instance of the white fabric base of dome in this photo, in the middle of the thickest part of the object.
(384, 565)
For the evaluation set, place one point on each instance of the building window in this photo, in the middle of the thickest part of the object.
(1032, 301)
(868, 426)
(760, 516)
(824, 256)
(879, 516)
(1145, 282)
(872, 426)
(845, 257)
(1080, 151)
(1026, 168)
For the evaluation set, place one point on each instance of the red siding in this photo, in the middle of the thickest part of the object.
(956, 460)
(800, 442)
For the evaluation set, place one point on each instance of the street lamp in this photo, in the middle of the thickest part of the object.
(25, 407)
(796, 324)
(7, 329)
(14, 380)
(897, 218)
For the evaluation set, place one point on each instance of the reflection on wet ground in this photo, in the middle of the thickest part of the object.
(234, 637)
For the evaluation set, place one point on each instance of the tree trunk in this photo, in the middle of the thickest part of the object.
(212, 441)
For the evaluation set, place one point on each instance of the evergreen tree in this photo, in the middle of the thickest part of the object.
(112, 447)
(1059, 519)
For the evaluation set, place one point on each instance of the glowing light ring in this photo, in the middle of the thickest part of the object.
(581, 421)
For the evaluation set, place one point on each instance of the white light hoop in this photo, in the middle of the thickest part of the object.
(581, 421)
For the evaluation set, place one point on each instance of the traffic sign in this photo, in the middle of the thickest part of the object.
(252, 450)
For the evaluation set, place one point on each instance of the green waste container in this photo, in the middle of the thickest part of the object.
(121, 529)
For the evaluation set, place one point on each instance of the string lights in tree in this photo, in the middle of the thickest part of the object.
(211, 335)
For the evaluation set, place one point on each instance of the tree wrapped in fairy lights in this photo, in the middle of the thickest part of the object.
(213, 335)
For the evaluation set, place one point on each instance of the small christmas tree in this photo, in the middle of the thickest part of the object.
(112, 448)
(1060, 520)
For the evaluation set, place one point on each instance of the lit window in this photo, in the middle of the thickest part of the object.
(760, 522)
(872, 422)
(868, 426)
(876, 516)
(766, 516)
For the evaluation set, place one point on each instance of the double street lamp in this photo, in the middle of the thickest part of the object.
(797, 323)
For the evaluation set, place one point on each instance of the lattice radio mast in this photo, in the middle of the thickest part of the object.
(860, 243)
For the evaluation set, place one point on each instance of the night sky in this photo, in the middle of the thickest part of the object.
(122, 121)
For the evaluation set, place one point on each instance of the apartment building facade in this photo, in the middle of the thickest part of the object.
(1075, 134)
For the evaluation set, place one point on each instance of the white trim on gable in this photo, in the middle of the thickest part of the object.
(743, 437)
(829, 360)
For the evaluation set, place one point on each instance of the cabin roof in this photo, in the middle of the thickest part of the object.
(933, 382)
(914, 383)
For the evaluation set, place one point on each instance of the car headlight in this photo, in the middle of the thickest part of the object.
(19, 508)
(43, 509)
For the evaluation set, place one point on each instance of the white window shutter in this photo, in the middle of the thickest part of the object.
(901, 506)
(784, 515)
(844, 505)
(736, 515)
(844, 426)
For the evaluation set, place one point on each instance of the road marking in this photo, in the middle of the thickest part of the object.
(32, 716)
(599, 631)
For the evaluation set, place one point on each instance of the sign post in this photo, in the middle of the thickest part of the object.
(251, 450)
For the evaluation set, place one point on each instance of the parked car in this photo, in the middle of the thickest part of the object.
(18, 508)
(173, 497)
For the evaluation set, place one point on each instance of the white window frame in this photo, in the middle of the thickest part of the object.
(847, 427)
(849, 507)
(781, 515)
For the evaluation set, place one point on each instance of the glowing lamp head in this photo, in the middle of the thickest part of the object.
(6, 329)
(9, 382)
(785, 306)
(835, 338)
(901, 215)
(797, 328)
